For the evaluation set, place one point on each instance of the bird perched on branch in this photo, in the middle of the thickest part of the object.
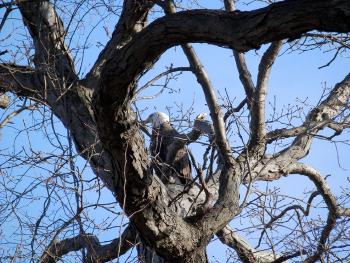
(203, 125)
(171, 165)
(169, 153)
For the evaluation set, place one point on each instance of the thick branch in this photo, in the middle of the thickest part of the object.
(306, 128)
(132, 20)
(270, 169)
(245, 252)
(257, 123)
(58, 249)
(46, 28)
(228, 196)
(336, 101)
(116, 125)
(320, 183)
(239, 30)
(57, 81)
(96, 252)
(19, 80)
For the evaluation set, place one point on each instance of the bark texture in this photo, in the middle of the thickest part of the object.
(97, 113)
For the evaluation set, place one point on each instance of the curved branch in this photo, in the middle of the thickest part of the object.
(245, 252)
(9, 117)
(96, 252)
(321, 246)
(145, 198)
(328, 109)
(320, 183)
(239, 30)
(334, 211)
(132, 20)
(273, 168)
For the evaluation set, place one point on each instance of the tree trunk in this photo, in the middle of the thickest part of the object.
(146, 255)
(199, 256)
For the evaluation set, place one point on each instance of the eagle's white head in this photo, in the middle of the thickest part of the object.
(201, 116)
(157, 119)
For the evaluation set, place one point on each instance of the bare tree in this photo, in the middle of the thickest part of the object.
(96, 137)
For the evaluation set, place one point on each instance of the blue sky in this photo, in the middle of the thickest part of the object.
(295, 77)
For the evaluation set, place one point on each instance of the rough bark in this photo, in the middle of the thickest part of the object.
(107, 133)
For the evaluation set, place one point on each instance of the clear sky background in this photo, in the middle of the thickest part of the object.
(295, 78)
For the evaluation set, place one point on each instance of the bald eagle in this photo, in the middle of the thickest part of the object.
(171, 164)
(168, 149)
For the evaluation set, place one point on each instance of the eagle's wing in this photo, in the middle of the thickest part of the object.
(204, 126)
(177, 162)
(182, 165)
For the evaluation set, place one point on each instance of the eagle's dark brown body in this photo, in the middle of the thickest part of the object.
(171, 163)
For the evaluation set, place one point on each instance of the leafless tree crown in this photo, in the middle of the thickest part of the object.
(78, 179)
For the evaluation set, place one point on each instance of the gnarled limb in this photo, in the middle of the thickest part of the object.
(320, 183)
(96, 251)
(226, 177)
(132, 20)
(20, 80)
(245, 252)
(328, 109)
(58, 87)
(273, 168)
(51, 53)
(240, 30)
(329, 199)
